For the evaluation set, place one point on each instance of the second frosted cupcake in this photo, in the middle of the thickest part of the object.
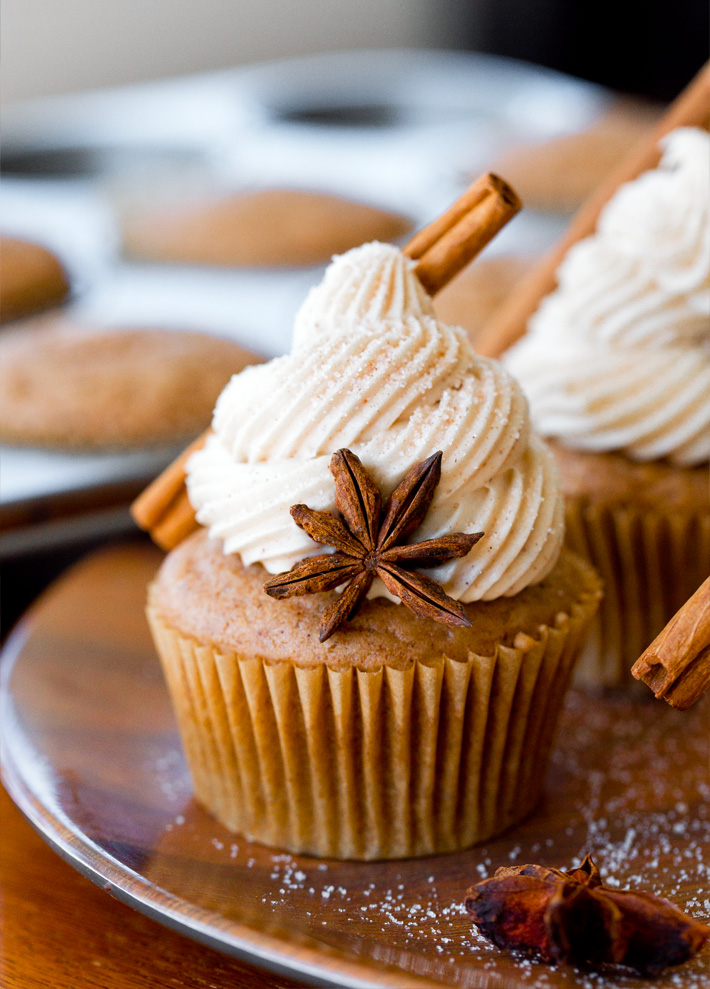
(616, 365)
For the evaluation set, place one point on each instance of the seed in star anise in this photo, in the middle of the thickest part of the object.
(573, 917)
(370, 542)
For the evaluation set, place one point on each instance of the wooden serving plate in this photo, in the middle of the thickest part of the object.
(90, 754)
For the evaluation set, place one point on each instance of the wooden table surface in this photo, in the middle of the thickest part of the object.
(628, 784)
(60, 931)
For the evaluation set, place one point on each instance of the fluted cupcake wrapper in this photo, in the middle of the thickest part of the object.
(650, 564)
(362, 764)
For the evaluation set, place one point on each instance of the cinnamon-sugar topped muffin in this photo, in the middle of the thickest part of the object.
(70, 386)
(560, 173)
(472, 298)
(262, 228)
(32, 279)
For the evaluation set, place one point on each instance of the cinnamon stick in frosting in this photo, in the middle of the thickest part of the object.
(153, 504)
(447, 245)
(441, 249)
(690, 109)
(676, 666)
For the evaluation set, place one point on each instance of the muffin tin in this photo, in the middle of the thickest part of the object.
(401, 129)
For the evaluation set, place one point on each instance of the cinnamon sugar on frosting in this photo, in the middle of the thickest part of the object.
(374, 371)
(618, 356)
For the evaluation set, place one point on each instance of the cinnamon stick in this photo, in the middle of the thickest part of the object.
(177, 522)
(676, 666)
(690, 109)
(442, 249)
(151, 505)
(448, 244)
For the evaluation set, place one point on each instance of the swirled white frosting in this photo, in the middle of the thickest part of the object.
(373, 370)
(618, 356)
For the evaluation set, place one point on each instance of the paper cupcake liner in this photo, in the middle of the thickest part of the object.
(371, 764)
(650, 564)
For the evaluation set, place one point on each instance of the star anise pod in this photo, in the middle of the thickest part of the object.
(572, 917)
(369, 543)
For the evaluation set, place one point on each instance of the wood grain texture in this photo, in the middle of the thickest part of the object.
(59, 930)
(90, 752)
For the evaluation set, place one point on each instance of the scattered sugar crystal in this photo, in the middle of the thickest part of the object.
(644, 829)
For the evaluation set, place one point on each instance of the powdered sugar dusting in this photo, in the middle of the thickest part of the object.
(629, 784)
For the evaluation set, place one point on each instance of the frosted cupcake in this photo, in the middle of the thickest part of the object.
(616, 366)
(398, 735)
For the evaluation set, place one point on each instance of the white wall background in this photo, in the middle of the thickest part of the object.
(59, 46)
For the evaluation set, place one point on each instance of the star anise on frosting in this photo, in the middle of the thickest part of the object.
(369, 542)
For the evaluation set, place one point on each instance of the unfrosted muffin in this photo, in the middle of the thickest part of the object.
(68, 386)
(396, 736)
(31, 279)
(265, 228)
(559, 174)
(616, 365)
(471, 299)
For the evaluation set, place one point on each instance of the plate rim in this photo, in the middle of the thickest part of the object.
(126, 885)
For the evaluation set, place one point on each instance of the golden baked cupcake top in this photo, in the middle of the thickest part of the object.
(618, 356)
(211, 597)
(372, 370)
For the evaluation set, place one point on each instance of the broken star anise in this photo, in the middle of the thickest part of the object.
(573, 917)
(369, 542)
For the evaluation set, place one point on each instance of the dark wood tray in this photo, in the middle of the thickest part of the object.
(91, 756)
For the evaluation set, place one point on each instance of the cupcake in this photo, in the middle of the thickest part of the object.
(616, 367)
(400, 733)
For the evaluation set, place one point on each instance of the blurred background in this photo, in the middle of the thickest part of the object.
(64, 46)
(114, 111)
(69, 45)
